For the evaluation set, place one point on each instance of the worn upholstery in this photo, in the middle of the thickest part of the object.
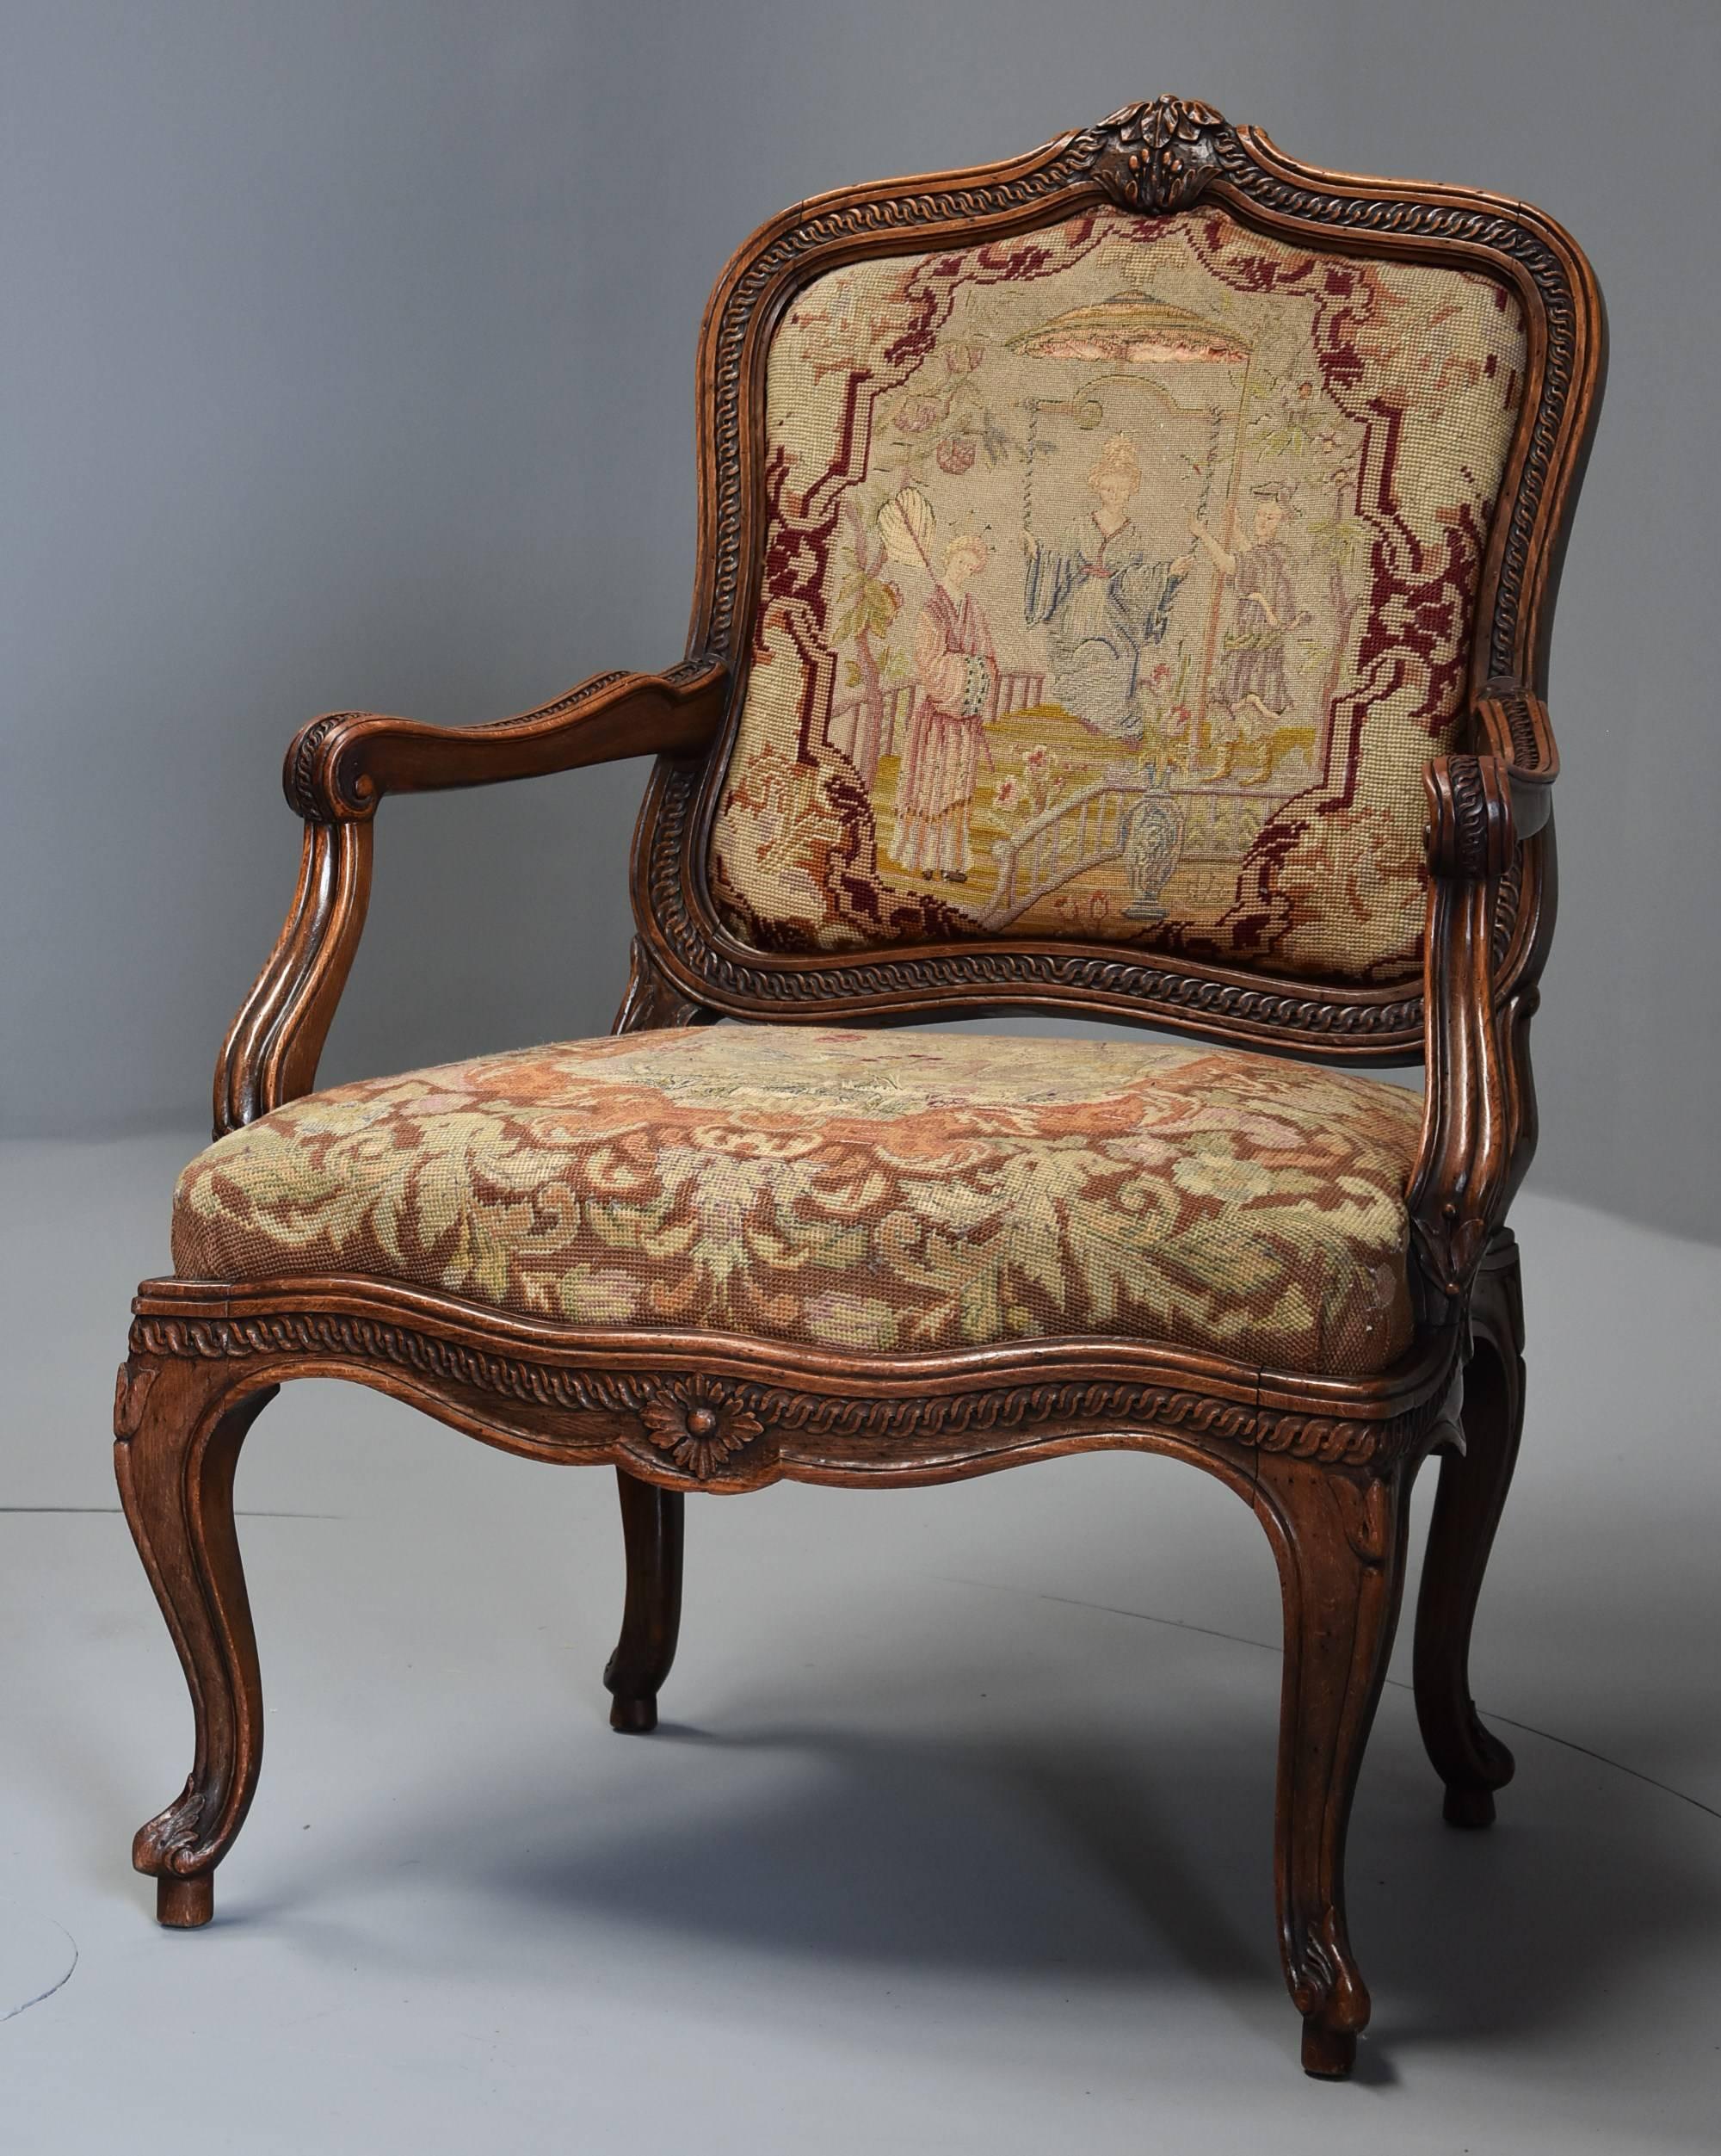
(1119, 584)
(864, 1190)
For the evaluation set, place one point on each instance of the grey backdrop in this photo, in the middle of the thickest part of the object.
(350, 359)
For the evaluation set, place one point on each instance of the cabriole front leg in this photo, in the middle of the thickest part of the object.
(179, 1424)
(1338, 1539)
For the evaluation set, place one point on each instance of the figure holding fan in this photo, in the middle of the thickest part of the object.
(956, 670)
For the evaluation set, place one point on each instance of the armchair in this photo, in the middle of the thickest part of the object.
(1126, 576)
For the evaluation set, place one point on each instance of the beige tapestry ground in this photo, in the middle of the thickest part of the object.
(868, 1191)
(1119, 583)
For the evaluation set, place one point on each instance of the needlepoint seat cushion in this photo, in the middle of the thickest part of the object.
(856, 1190)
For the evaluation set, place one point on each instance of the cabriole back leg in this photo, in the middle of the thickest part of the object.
(179, 1424)
(651, 1528)
(1472, 1762)
(1340, 1542)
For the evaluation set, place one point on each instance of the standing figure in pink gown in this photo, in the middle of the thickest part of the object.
(957, 672)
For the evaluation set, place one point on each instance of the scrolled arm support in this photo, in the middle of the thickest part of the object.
(1478, 1127)
(1470, 830)
(1458, 1195)
(340, 766)
(338, 769)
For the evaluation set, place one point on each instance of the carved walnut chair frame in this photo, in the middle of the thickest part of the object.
(1326, 1463)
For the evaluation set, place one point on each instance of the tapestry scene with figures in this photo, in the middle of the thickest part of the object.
(1119, 585)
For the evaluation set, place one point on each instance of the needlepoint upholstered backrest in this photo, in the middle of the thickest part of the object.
(1119, 582)
(1102, 545)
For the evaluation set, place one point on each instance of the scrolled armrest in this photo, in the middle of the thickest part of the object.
(340, 766)
(1510, 723)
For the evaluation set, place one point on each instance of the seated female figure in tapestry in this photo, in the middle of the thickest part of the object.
(1250, 694)
(957, 672)
(1104, 599)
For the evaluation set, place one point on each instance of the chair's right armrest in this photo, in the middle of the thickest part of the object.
(1512, 725)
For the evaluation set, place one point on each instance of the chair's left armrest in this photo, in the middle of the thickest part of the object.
(1459, 1191)
(1510, 723)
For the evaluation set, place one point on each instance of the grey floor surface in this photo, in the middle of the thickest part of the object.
(956, 1838)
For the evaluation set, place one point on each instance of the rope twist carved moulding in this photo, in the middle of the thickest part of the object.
(743, 1412)
(1008, 971)
(301, 782)
(1469, 841)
